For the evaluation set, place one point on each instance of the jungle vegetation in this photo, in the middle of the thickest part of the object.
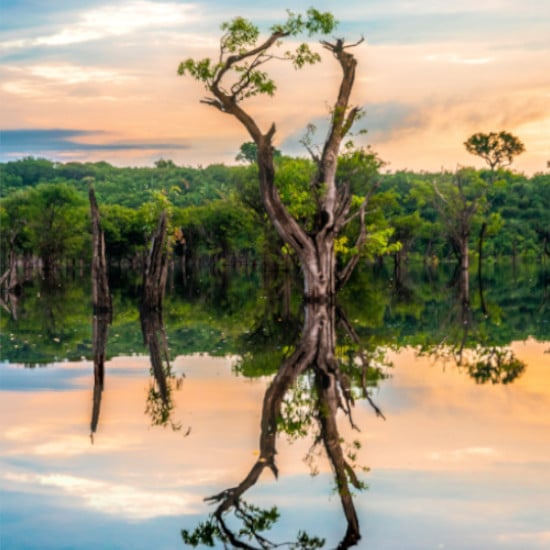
(216, 214)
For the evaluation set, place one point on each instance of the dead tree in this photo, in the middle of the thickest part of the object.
(102, 309)
(156, 268)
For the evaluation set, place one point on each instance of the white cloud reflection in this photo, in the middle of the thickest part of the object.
(114, 499)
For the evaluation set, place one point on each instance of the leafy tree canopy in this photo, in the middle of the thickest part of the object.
(496, 149)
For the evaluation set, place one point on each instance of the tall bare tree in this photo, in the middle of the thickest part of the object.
(238, 74)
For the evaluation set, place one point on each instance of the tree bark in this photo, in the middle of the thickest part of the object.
(156, 268)
(101, 295)
(315, 250)
(102, 309)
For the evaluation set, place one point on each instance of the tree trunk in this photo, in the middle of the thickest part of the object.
(464, 271)
(156, 268)
(101, 296)
(102, 309)
(480, 268)
(315, 250)
(319, 271)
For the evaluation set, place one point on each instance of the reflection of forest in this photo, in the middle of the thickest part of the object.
(323, 358)
(227, 315)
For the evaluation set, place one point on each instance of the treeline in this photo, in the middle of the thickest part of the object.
(216, 213)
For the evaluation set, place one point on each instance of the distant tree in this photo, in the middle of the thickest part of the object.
(460, 200)
(497, 150)
(248, 152)
(164, 163)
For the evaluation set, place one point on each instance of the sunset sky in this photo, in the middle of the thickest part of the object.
(96, 79)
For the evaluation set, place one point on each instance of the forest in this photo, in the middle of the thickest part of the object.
(216, 215)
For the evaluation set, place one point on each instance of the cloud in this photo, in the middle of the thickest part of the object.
(110, 21)
(465, 454)
(455, 58)
(59, 377)
(73, 74)
(31, 141)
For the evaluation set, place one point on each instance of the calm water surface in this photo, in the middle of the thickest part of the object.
(455, 464)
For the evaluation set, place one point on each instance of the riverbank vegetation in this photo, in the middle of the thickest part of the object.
(217, 218)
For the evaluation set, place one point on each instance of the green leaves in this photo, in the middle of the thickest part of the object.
(201, 70)
(239, 32)
(498, 150)
(302, 56)
(315, 22)
(236, 74)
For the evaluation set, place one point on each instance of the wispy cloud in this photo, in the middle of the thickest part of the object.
(467, 453)
(455, 58)
(110, 21)
(53, 141)
(67, 73)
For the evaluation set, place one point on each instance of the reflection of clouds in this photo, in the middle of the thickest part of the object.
(76, 445)
(114, 499)
(520, 539)
(64, 445)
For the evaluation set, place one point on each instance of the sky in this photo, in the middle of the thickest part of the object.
(97, 80)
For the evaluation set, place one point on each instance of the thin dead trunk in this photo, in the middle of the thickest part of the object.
(101, 295)
(102, 309)
(480, 269)
(100, 330)
(156, 268)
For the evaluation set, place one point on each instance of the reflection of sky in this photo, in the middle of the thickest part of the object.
(456, 465)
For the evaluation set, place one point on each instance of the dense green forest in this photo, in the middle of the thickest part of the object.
(216, 213)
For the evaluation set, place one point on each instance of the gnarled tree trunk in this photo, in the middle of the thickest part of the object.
(315, 249)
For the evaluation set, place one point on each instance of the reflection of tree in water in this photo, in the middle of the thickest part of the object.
(330, 387)
(102, 309)
(160, 404)
(100, 331)
(466, 342)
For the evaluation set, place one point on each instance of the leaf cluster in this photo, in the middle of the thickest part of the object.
(237, 72)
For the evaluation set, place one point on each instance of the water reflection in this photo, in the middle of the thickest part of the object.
(315, 358)
(443, 431)
(467, 343)
(100, 330)
(160, 403)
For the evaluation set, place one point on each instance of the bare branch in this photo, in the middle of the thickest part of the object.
(361, 40)
(213, 103)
